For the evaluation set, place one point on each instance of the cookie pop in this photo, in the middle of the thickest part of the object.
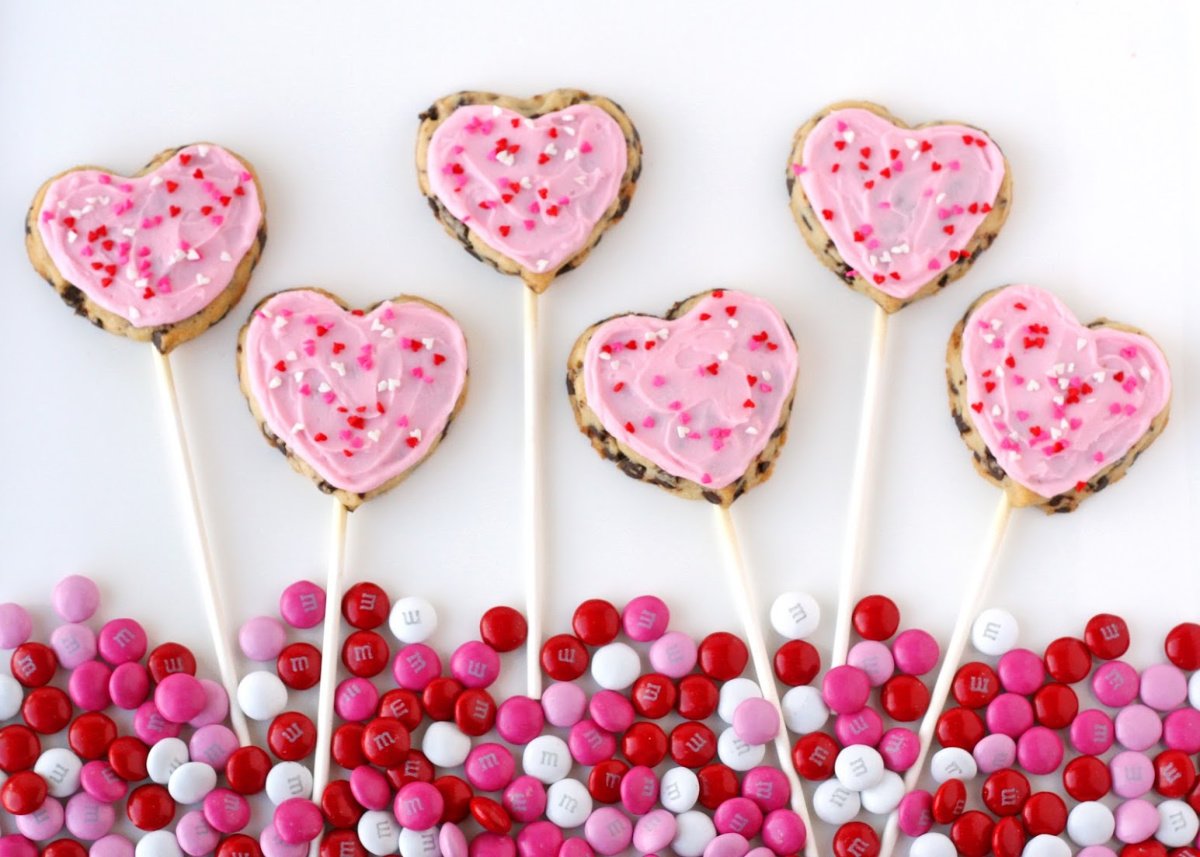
(696, 402)
(529, 185)
(354, 399)
(897, 212)
(1053, 411)
(159, 257)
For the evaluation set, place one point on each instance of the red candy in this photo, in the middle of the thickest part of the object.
(975, 685)
(693, 745)
(644, 743)
(604, 780)
(491, 816)
(718, 783)
(1005, 792)
(653, 696)
(33, 664)
(246, 770)
(456, 795)
(385, 742)
(949, 801)
(503, 628)
(596, 622)
(856, 839)
(1055, 705)
(365, 654)
(698, 697)
(127, 757)
(404, 705)
(23, 792)
(91, 735)
(904, 697)
(1008, 837)
(1149, 848)
(1183, 646)
(366, 606)
(170, 658)
(64, 848)
(876, 617)
(1174, 773)
(960, 727)
(1068, 660)
(337, 843)
(19, 748)
(722, 656)
(150, 807)
(46, 710)
(1045, 812)
(814, 755)
(797, 662)
(474, 711)
(971, 834)
(241, 845)
(299, 666)
(339, 806)
(1106, 636)
(564, 658)
(346, 745)
(292, 736)
(1086, 778)
(439, 697)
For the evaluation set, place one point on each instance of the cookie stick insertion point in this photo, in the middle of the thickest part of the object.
(976, 591)
(747, 606)
(210, 585)
(854, 546)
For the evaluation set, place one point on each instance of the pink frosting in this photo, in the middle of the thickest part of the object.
(360, 396)
(158, 248)
(700, 395)
(533, 189)
(899, 204)
(1056, 402)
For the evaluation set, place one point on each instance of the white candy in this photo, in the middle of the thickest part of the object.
(736, 753)
(804, 710)
(733, 693)
(378, 832)
(60, 768)
(157, 843)
(834, 803)
(693, 831)
(568, 803)
(951, 763)
(413, 620)
(261, 695)
(191, 781)
(858, 767)
(1194, 689)
(1177, 824)
(419, 843)
(11, 697)
(679, 790)
(994, 632)
(1045, 845)
(616, 666)
(164, 757)
(445, 745)
(883, 797)
(795, 615)
(547, 758)
(288, 780)
(1090, 823)
(932, 845)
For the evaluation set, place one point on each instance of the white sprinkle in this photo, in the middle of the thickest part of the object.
(225, 257)
(388, 333)
(1058, 400)
(848, 136)
(415, 433)
(428, 343)
(682, 431)
(648, 335)
(568, 117)
(1145, 373)
(766, 373)
(373, 434)
(1063, 383)
(873, 259)
(528, 123)
(1071, 368)
(381, 386)
(376, 325)
(581, 179)
(505, 157)
(663, 334)
(885, 257)
(995, 410)
(129, 232)
(297, 428)
(495, 110)
(62, 203)
(604, 355)
(569, 131)
(1080, 344)
(1055, 434)
(915, 155)
(134, 313)
(989, 338)
(193, 254)
(526, 183)
(298, 375)
(542, 264)
(733, 322)
(1059, 368)
(178, 256)
(280, 320)
(616, 364)
(202, 280)
(156, 181)
(550, 150)
(141, 283)
(87, 209)
(1064, 422)
(1099, 377)
(999, 371)
(910, 142)
(91, 199)
(274, 382)
(105, 200)
(71, 236)
(1014, 456)
(291, 355)
(724, 355)
(203, 150)
(338, 366)
(130, 272)
(751, 430)
(900, 249)
(996, 323)
(938, 199)
(570, 154)
(323, 387)
(1033, 386)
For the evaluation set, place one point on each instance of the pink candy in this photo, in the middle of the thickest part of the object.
(673, 654)
(226, 810)
(490, 767)
(416, 665)
(75, 598)
(564, 703)
(1021, 671)
(302, 605)
(645, 618)
(846, 689)
(756, 721)
(370, 788)
(916, 652)
(121, 641)
(519, 719)
(418, 806)
(608, 831)
(355, 699)
(179, 697)
(262, 638)
(475, 664)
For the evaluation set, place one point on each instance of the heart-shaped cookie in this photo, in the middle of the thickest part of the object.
(1053, 410)
(696, 402)
(896, 211)
(159, 256)
(354, 398)
(528, 185)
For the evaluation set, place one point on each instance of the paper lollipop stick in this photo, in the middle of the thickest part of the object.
(696, 402)
(897, 212)
(529, 186)
(1053, 411)
(355, 399)
(158, 257)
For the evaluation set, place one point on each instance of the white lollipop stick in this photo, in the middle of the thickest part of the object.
(976, 591)
(747, 606)
(331, 633)
(864, 460)
(210, 585)
(533, 538)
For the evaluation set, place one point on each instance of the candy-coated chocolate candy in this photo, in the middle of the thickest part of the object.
(150, 807)
(73, 645)
(1138, 727)
(873, 658)
(366, 606)
(385, 742)
(693, 831)
(525, 798)
(91, 685)
(833, 803)
(64, 848)
(46, 710)
(949, 801)
(994, 632)
(783, 831)
(1068, 660)
(568, 803)
(856, 839)
(503, 628)
(1177, 824)
(379, 833)
(1086, 778)
(1005, 792)
(899, 747)
(262, 638)
(960, 727)
(1055, 705)
(653, 696)
(608, 831)
(91, 734)
(1009, 714)
(693, 745)
(15, 625)
(645, 618)
(61, 769)
(639, 790)
(803, 709)
(616, 666)
(883, 797)
(547, 759)
(1174, 773)
(365, 654)
(975, 685)
(420, 806)
(1182, 646)
(121, 641)
(795, 615)
(858, 767)
(241, 845)
(1008, 837)
(952, 762)
(679, 789)
(644, 743)
(291, 736)
(796, 663)
(718, 783)
(590, 744)
(439, 696)
(191, 781)
(1044, 812)
(179, 697)
(23, 792)
(288, 780)
(905, 698)
(738, 754)
(933, 845)
(127, 756)
(596, 622)
(519, 719)
(564, 658)
(564, 703)
(756, 721)
(456, 797)
(444, 745)
(537, 839)
(261, 695)
(971, 834)
(170, 658)
(1106, 636)
(994, 753)
(1090, 823)
(346, 745)
(298, 820)
(33, 664)
(75, 598)
(226, 811)
(722, 656)
(19, 748)
(474, 711)
(915, 813)
(1163, 687)
(299, 666)
(302, 604)
(403, 705)
(814, 756)
(475, 664)
(1039, 750)
(674, 654)
(1021, 671)
(876, 617)
(915, 652)
(604, 781)
(698, 697)
(1045, 845)
(1181, 729)
(1116, 684)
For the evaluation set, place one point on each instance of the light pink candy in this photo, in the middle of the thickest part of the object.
(475, 664)
(88, 818)
(612, 710)
(756, 721)
(212, 744)
(1132, 774)
(16, 625)
(873, 658)
(564, 703)
(75, 598)
(608, 831)
(416, 665)
(490, 767)
(43, 823)
(995, 753)
(196, 838)
(673, 654)
(262, 638)
(1138, 727)
(645, 618)
(113, 845)
(519, 719)
(302, 604)
(216, 705)
(274, 846)
(1163, 686)
(727, 845)
(654, 831)
(73, 644)
(452, 841)
(418, 806)
(1137, 821)
(226, 810)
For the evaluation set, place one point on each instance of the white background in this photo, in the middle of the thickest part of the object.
(1094, 105)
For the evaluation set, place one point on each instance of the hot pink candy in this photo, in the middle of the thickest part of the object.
(699, 395)
(158, 248)
(1057, 402)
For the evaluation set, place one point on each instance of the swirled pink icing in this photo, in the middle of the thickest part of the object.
(158, 248)
(533, 189)
(699, 395)
(899, 204)
(361, 396)
(1057, 402)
